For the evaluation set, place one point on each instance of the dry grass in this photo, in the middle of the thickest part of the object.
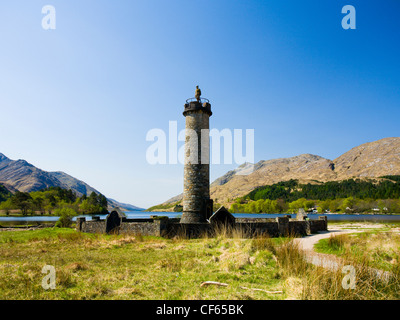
(327, 283)
(379, 249)
(137, 267)
(132, 267)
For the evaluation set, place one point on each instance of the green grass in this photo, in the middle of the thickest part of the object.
(377, 248)
(332, 245)
(20, 215)
(92, 266)
(311, 282)
(164, 206)
(45, 234)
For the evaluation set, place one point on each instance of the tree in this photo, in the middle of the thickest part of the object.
(251, 207)
(93, 199)
(259, 206)
(38, 203)
(51, 200)
(95, 204)
(23, 201)
(308, 204)
(102, 200)
(267, 206)
(66, 214)
(347, 204)
(324, 206)
(6, 206)
(281, 205)
(298, 204)
(87, 207)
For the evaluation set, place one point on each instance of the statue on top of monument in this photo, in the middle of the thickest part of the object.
(197, 94)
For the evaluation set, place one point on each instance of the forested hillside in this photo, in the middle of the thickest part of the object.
(47, 201)
(4, 193)
(348, 196)
(363, 189)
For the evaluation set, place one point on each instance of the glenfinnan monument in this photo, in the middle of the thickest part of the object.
(197, 205)
(198, 218)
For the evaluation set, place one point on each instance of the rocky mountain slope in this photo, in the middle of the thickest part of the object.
(23, 176)
(370, 160)
(374, 159)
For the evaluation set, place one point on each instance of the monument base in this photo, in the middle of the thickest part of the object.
(192, 217)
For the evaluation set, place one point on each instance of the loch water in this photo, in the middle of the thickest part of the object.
(36, 220)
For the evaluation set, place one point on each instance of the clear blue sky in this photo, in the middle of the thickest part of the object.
(81, 98)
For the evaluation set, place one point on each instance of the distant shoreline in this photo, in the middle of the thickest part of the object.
(18, 214)
(361, 214)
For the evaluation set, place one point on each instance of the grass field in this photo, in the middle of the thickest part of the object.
(90, 266)
(126, 267)
(378, 248)
(18, 213)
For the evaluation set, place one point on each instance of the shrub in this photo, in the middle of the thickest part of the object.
(66, 214)
(337, 242)
(263, 243)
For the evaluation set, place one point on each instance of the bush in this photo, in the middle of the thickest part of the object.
(338, 242)
(66, 215)
(159, 217)
(263, 243)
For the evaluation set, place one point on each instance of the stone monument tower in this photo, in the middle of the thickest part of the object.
(197, 205)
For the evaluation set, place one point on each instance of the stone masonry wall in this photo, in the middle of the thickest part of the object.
(251, 220)
(282, 226)
(143, 228)
(298, 228)
(93, 226)
(259, 228)
(317, 225)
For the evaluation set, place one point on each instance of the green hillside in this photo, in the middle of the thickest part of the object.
(363, 196)
(4, 193)
(51, 199)
(292, 190)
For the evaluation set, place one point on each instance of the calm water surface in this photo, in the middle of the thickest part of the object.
(7, 221)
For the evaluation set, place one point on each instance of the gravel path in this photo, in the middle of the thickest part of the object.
(307, 243)
(331, 261)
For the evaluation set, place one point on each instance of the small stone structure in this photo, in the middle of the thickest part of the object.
(114, 221)
(222, 216)
(169, 228)
(301, 215)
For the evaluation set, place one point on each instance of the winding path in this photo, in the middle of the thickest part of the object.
(329, 261)
(307, 243)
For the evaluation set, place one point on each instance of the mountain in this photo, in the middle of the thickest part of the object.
(25, 177)
(370, 160)
(70, 182)
(125, 206)
(374, 159)
(81, 187)
(22, 176)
